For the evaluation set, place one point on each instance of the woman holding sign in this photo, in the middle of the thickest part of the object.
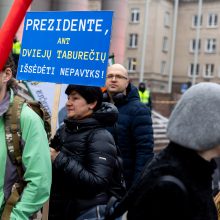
(86, 165)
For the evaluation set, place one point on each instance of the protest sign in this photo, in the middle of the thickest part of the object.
(44, 92)
(66, 47)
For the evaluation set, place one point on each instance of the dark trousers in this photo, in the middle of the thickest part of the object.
(95, 213)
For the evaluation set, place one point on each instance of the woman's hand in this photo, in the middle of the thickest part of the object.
(53, 154)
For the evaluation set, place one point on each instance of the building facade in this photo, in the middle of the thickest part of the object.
(207, 67)
(147, 35)
(171, 50)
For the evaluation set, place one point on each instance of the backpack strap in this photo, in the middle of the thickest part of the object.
(43, 113)
(12, 200)
(13, 141)
(217, 203)
(12, 130)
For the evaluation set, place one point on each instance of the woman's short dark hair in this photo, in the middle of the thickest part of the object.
(89, 93)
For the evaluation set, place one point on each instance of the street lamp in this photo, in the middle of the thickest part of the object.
(170, 81)
(143, 53)
(197, 42)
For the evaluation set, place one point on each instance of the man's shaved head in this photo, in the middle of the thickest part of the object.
(119, 67)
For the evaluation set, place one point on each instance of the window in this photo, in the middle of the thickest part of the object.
(165, 44)
(193, 45)
(133, 40)
(163, 67)
(209, 70)
(212, 20)
(135, 15)
(191, 69)
(132, 63)
(219, 72)
(195, 21)
(210, 45)
(166, 19)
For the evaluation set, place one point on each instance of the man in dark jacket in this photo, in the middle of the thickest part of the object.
(133, 132)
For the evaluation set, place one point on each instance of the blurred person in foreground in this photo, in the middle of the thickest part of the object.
(177, 184)
(86, 164)
(133, 132)
(24, 186)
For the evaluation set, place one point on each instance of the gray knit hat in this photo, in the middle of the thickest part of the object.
(195, 121)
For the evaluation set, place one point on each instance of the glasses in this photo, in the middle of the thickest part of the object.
(116, 76)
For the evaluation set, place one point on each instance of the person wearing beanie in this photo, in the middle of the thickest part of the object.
(86, 163)
(177, 184)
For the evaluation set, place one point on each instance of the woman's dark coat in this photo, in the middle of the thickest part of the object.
(85, 171)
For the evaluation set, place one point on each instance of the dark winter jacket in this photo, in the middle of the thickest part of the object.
(85, 172)
(177, 184)
(133, 133)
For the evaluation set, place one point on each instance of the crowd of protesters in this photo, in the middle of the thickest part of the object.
(101, 163)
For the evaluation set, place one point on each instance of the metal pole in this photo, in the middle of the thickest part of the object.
(173, 46)
(197, 42)
(144, 40)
